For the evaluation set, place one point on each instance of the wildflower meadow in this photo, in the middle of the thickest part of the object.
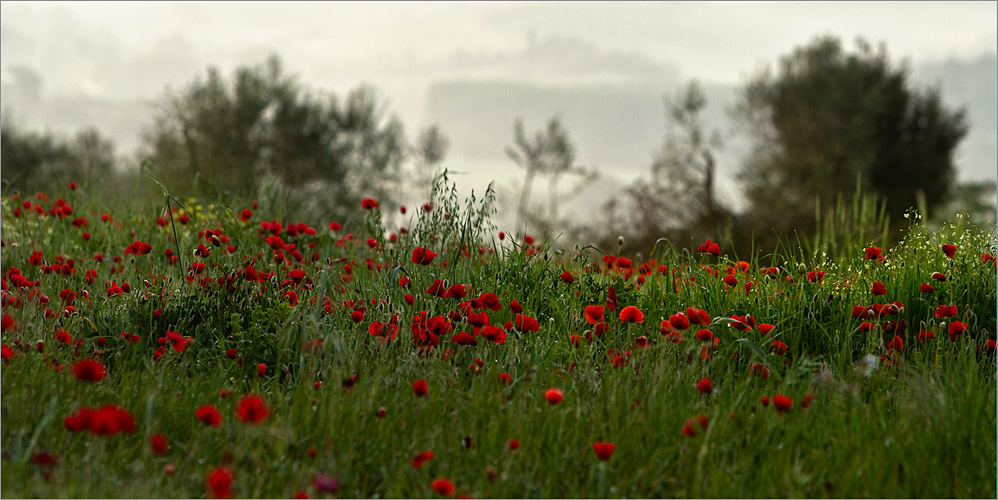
(225, 348)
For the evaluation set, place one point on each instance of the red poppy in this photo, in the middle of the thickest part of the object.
(89, 370)
(526, 323)
(764, 400)
(457, 291)
(731, 280)
(896, 344)
(515, 307)
(872, 253)
(603, 450)
(422, 255)
(490, 300)
(494, 333)
(759, 370)
(631, 314)
(422, 458)
(505, 378)
(219, 483)
(878, 288)
(949, 250)
(443, 486)
(782, 403)
(7, 352)
(567, 277)
(357, 316)
(261, 369)
(944, 311)
(705, 335)
(209, 415)
(554, 396)
(679, 321)
(513, 445)
(463, 338)
(158, 444)
(704, 386)
(335, 226)
(778, 347)
(251, 410)
(641, 342)
(956, 328)
(109, 420)
(697, 316)
(807, 401)
(765, 328)
(594, 314)
(368, 204)
(925, 336)
(939, 276)
(419, 388)
(611, 298)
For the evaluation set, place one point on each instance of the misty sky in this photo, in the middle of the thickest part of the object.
(107, 62)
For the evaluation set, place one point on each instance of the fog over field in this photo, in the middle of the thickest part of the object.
(474, 68)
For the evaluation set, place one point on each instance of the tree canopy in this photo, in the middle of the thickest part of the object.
(829, 119)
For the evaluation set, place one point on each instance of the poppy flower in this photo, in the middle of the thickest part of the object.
(419, 388)
(422, 458)
(526, 323)
(457, 291)
(697, 316)
(357, 316)
(158, 444)
(594, 314)
(704, 386)
(705, 335)
(759, 370)
(209, 415)
(782, 403)
(689, 427)
(505, 378)
(926, 288)
(944, 311)
(325, 483)
(631, 314)
(464, 339)
(515, 307)
(7, 352)
(807, 400)
(443, 486)
(956, 328)
(494, 333)
(896, 344)
(765, 328)
(89, 370)
(603, 450)
(261, 369)
(554, 396)
(949, 250)
(872, 253)
(368, 204)
(567, 277)
(422, 255)
(611, 298)
(925, 336)
(679, 321)
(765, 401)
(730, 280)
(778, 347)
(939, 276)
(878, 288)
(490, 300)
(219, 483)
(335, 226)
(251, 410)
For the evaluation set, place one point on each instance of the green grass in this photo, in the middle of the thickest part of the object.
(924, 426)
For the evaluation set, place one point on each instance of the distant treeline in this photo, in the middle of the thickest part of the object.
(831, 130)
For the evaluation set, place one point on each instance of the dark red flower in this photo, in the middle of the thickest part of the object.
(956, 328)
(949, 250)
(896, 344)
(209, 415)
(778, 347)
(158, 444)
(261, 369)
(603, 450)
(878, 288)
(782, 403)
(219, 483)
(925, 336)
(422, 255)
(494, 333)
(368, 204)
(567, 277)
(697, 316)
(939, 276)
(443, 486)
(926, 288)
(872, 253)
(251, 410)
(807, 401)
(704, 386)
(457, 291)
(944, 311)
(554, 396)
(505, 378)
(89, 370)
(705, 335)
(526, 323)
(594, 314)
(463, 338)
(419, 388)
(759, 370)
(422, 458)
(7, 352)
(679, 321)
(631, 314)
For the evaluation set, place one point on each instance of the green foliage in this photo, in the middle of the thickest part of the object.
(33, 162)
(921, 424)
(828, 118)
